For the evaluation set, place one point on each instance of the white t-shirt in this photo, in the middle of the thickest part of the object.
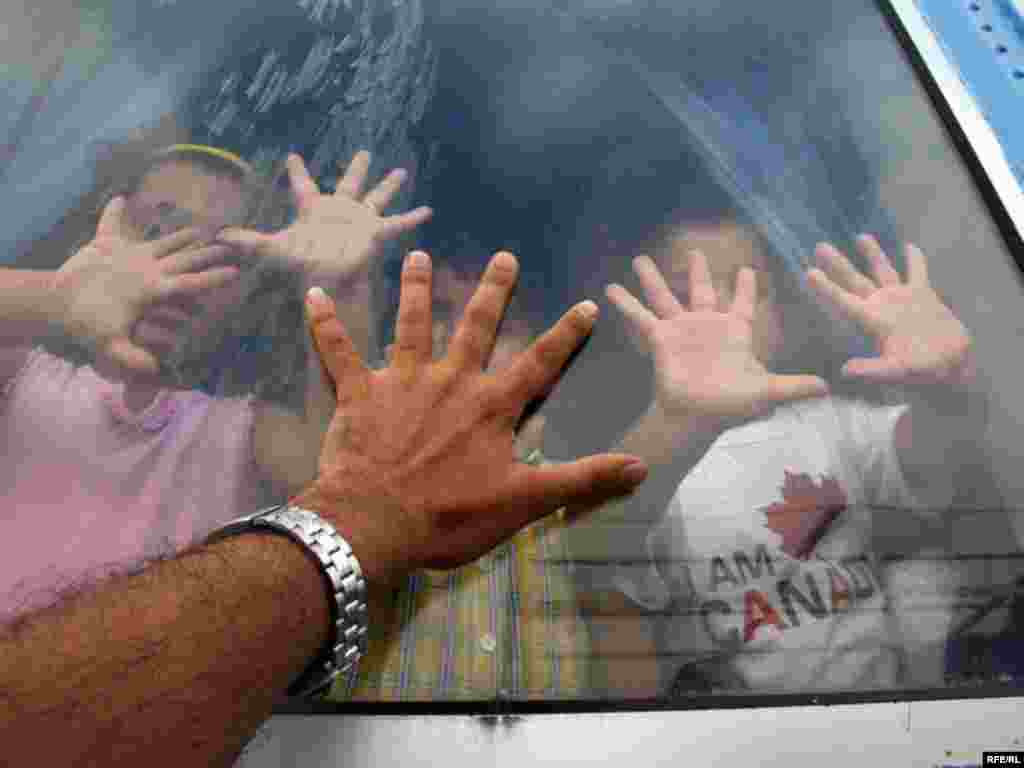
(767, 546)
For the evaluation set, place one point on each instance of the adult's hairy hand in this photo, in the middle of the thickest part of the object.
(418, 468)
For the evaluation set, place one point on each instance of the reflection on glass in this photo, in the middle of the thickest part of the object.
(787, 540)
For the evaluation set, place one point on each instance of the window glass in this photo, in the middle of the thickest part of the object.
(850, 527)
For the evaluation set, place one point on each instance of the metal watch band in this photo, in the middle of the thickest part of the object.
(349, 620)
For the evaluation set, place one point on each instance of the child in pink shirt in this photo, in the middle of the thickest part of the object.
(93, 485)
(109, 464)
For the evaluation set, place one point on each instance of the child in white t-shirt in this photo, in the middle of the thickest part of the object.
(749, 548)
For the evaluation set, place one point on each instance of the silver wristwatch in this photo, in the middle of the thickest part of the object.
(347, 589)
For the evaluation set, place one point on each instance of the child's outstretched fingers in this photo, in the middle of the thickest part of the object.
(393, 226)
(838, 298)
(744, 301)
(839, 269)
(876, 369)
(112, 220)
(660, 297)
(380, 197)
(884, 272)
(352, 182)
(917, 265)
(304, 188)
(702, 290)
(250, 242)
(640, 319)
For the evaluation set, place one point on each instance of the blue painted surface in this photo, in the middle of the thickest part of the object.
(985, 40)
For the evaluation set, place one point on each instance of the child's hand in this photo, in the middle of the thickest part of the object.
(922, 345)
(107, 287)
(704, 359)
(334, 236)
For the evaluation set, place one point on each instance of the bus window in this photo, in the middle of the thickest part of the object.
(808, 326)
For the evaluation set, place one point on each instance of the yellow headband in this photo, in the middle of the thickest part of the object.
(203, 149)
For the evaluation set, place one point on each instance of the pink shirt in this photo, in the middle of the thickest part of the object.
(91, 487)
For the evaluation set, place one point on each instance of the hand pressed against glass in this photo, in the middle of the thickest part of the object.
(433, 440)
(727, 247)
(335, 235)
(109, 285)
(922, 345)
(707, 366)
(452, 293)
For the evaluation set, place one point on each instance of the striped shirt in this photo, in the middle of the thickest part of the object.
(505, 626)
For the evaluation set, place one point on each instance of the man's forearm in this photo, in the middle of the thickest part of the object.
(178, 665)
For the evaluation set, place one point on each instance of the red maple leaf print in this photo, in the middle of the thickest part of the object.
(805, 512)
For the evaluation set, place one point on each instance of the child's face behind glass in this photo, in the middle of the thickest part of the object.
(728, 247)
(178, 194)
